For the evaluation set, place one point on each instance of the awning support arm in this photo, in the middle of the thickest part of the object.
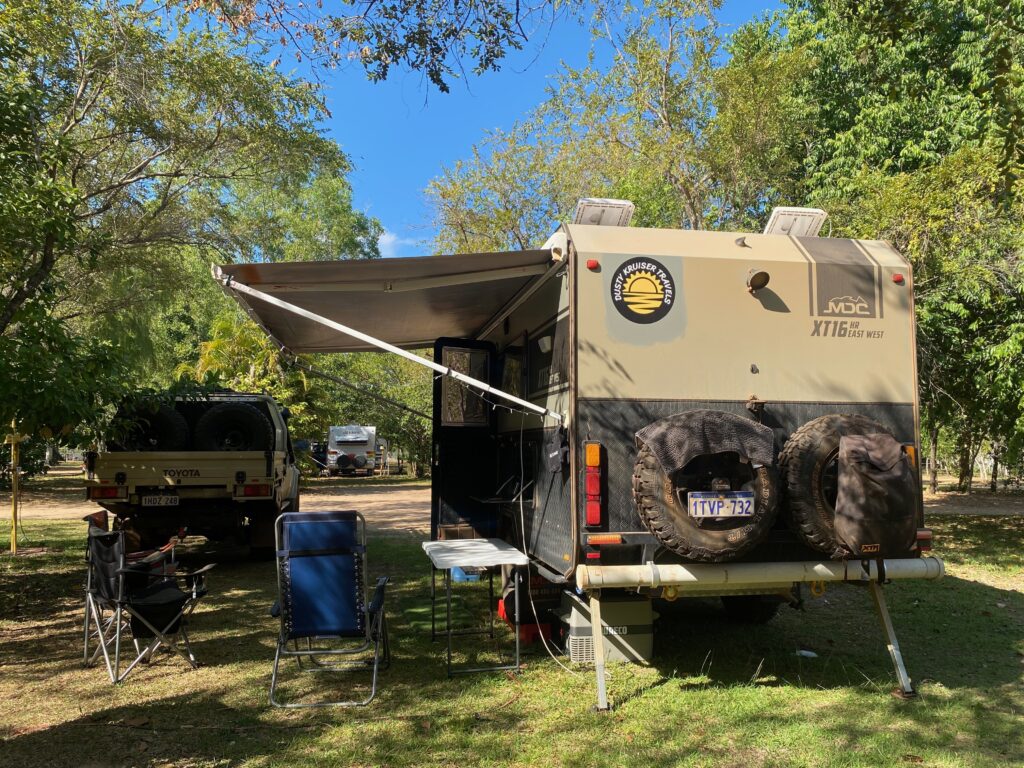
(380, 344)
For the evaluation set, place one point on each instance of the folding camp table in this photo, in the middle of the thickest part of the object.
(471, 553)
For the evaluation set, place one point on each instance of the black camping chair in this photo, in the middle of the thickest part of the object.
(321, 567)
(140, 597)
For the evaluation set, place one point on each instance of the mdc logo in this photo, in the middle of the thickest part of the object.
(847, 305)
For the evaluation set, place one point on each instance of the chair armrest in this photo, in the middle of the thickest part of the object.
(192, 574)
(195, 580)
(377, 603)
(160, 555)
(275, 609)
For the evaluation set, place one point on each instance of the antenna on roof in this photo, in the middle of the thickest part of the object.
(603, 212)
(798, 222)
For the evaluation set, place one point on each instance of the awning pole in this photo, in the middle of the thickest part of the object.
(444, 370)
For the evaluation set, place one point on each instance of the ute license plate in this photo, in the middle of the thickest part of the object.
(160, 501)
(720, 503)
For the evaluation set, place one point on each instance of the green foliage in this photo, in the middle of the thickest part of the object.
(428, 36)
(137, 146)
(694, 142)
(900, 86)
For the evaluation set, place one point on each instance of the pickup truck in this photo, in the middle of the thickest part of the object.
(220, 465)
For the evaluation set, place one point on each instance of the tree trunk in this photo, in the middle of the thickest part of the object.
(933, 458)
(993, 484)
(965, 466)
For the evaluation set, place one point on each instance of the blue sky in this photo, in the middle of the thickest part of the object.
(401, 133)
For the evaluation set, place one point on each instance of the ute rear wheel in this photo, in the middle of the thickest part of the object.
(234, 427)
(810, 475)
(661, 502)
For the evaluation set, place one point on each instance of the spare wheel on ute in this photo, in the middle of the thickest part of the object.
(156, 429)
(233, 427)
(809, 466)
(703, 483)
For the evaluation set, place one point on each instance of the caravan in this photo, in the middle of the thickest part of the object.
(652, 412)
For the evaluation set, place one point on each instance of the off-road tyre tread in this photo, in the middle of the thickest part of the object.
(166, 426)
(650, 497)
(796, 471)
(211, 423)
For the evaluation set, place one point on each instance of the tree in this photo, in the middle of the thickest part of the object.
(134, 142)
(695, 142)
(920, 140)
(430, 36)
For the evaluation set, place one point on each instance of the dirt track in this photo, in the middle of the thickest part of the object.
(394, 507)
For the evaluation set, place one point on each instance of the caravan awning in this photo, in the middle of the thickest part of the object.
(407, 302)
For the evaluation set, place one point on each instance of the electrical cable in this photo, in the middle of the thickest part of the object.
(529, 580)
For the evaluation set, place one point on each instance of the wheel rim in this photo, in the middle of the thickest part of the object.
(235, 440)
(828, 486)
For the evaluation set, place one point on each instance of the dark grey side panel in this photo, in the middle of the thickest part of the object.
(615, 422)
(546, 508)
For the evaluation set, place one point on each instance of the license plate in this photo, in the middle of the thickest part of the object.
(720, 503)
(160, 501)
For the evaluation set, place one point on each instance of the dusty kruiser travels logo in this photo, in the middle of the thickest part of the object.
(643, 291)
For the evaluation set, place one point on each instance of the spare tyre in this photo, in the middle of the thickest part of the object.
(809, 466)
(233, 427)
(360, 462)
(661, 501)
(163, 429)
(344, 462)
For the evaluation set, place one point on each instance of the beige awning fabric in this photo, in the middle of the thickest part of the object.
(407, 302)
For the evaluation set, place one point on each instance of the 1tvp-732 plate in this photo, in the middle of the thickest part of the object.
(720, 503)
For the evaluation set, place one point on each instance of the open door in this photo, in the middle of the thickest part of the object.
(464, 471)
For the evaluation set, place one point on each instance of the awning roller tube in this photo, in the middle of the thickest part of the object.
(700, 577)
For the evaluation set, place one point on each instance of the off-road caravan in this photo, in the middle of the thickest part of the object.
(660, 411)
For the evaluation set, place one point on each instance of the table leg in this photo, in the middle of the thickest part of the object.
(490, 602)
(433, 599)
(448, 614)
(515, 592)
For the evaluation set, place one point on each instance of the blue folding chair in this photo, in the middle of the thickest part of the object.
(321, 567)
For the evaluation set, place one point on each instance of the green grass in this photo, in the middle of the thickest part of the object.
(718, 694)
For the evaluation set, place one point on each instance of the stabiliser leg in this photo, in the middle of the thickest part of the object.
(597, 632)
(906, 689)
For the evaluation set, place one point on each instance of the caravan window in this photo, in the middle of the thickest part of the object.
(461, 405)
(548, 358)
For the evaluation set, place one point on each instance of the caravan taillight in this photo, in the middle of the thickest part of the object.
(594, 510)
(911, 450)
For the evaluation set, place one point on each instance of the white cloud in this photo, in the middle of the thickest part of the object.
(391, 245)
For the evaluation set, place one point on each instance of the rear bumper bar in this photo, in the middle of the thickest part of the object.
(706, 578)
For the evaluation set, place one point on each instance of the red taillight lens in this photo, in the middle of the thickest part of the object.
(108, 492)
(256, 490)
(592, 460)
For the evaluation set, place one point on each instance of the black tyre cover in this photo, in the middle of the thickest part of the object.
(233, 427)
(360, 462)
(876, 508)
(161, 430)
(660, 501)
(809, 465)
(344, 462)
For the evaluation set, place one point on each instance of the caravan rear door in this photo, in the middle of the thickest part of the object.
(464, 445)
